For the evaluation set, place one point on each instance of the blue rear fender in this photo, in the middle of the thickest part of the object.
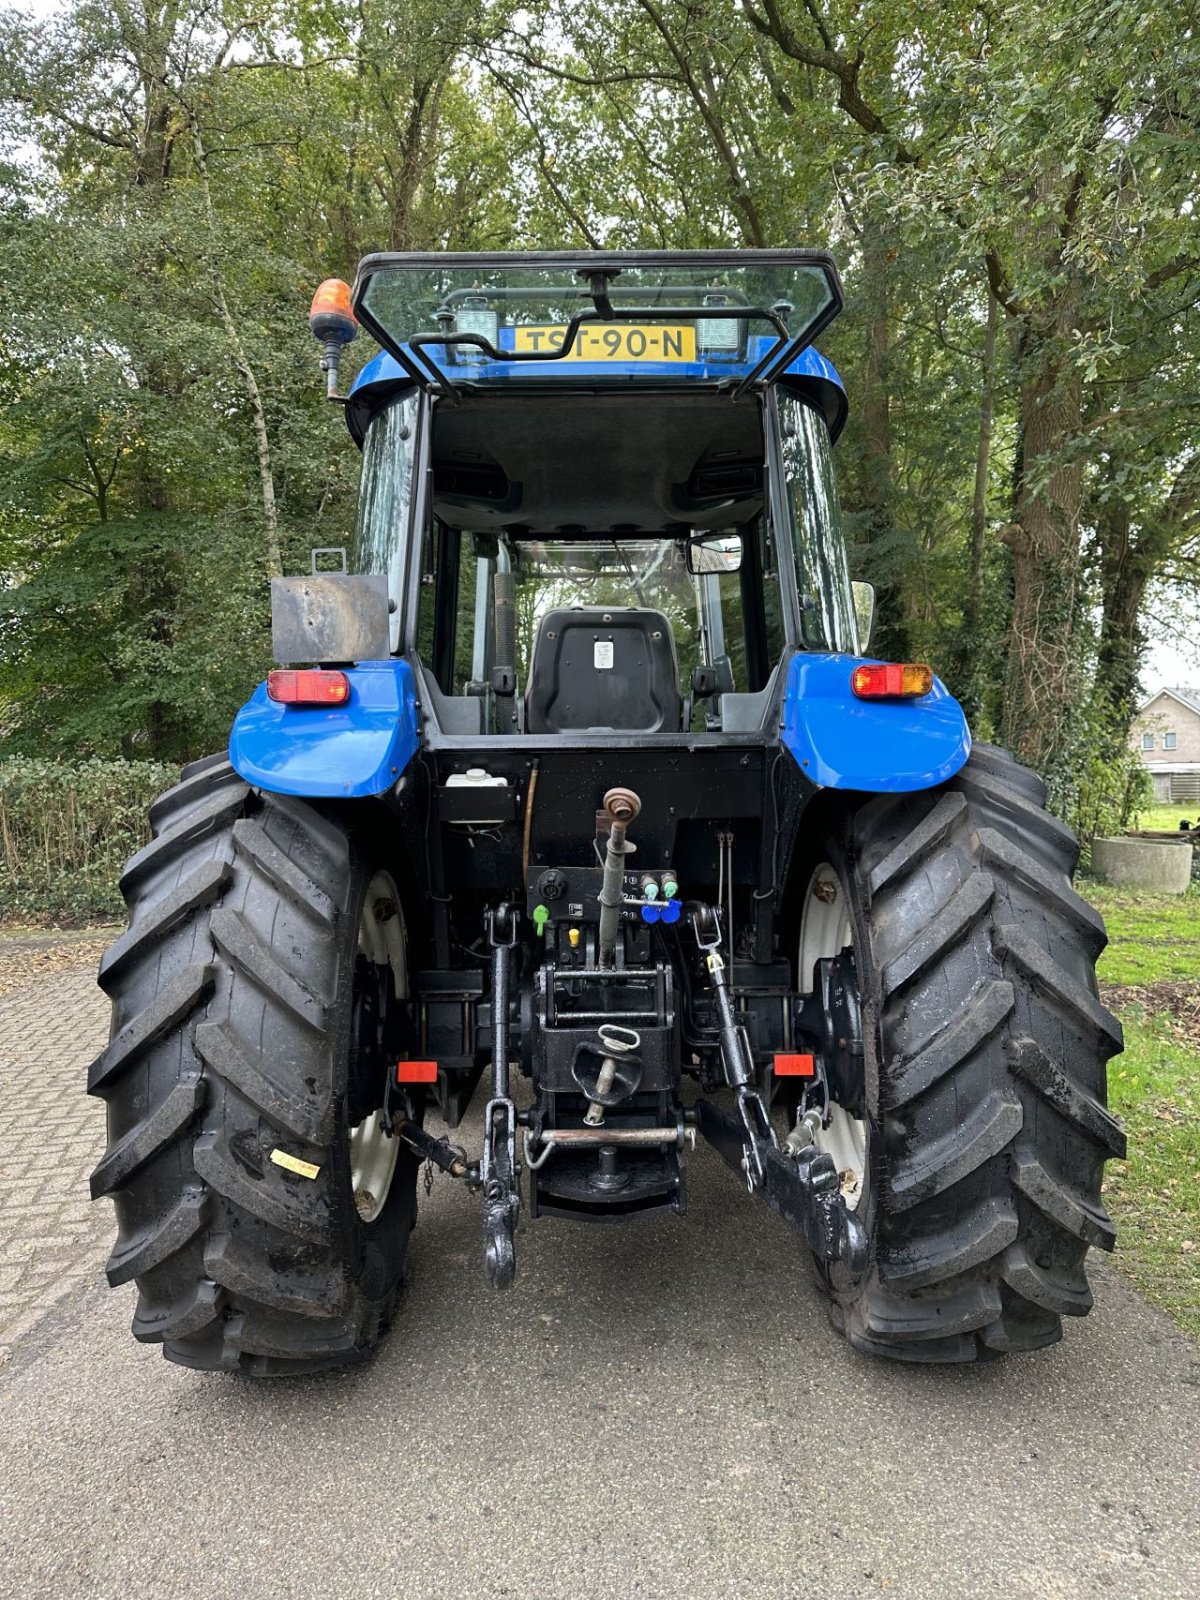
(336, 752)
(838, 741)
(880, 746)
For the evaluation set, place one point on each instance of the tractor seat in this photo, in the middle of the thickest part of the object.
(605, 668)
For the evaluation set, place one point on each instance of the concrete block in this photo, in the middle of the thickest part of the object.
(1161, 867)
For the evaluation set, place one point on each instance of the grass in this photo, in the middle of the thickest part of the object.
(1151, 971)
(1154, 1194)
(1153, 938)
(1166, 819)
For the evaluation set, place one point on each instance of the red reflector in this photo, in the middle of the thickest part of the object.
(892, 680)
(795, 1067)
(309, 688)
(416, 1072)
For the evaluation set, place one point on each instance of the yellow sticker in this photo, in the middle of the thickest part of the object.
(294, 1164)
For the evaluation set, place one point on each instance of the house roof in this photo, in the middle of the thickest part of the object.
(1186, 697)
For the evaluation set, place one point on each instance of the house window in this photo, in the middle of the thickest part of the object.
(1147, 741)
(1170, 741)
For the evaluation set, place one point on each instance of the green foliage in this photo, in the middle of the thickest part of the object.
(66, 830)
(165, 445)
(1097, 784)
(1042, 160)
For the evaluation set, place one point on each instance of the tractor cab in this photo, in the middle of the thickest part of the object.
(597, 510)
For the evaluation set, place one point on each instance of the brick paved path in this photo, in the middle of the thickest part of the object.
(52, 1237)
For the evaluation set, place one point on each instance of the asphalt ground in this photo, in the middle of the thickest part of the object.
(655, 1410)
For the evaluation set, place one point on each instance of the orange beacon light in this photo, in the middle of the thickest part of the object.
(331, 320)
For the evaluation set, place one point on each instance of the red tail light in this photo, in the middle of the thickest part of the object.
(795, 1066)
(892, 680)
(416, 1071)
(309, 688)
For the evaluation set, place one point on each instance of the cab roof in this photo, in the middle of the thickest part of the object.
(597, 321)
(383, 377)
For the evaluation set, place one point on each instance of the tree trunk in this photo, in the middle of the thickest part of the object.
(262, 441)
(878, 469)
(983, 457)
(977, 674)
(1040, 686)
(1124, 576)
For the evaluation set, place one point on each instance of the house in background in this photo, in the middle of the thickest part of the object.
(1166, 731)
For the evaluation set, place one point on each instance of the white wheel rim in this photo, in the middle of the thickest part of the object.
(373, 1153)
(826, 929)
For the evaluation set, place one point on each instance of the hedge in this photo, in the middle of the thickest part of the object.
(66, 830)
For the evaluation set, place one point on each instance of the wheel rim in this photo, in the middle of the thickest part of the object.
(373, 1152)
(826, 929)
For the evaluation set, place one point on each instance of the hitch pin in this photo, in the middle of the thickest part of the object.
(440, 1151)
(614, 1042)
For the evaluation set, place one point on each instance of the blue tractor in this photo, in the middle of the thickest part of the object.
(578, 794)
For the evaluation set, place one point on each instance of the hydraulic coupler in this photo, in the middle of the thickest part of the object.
(802, 1185)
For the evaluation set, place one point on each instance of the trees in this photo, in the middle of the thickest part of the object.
(1036, 137)
(1009, 193)
(166, 448)
(1012, 190)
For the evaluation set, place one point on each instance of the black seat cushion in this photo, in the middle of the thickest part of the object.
(603, 667)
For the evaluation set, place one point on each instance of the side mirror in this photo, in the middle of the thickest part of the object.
(864, 612)
(709, 553)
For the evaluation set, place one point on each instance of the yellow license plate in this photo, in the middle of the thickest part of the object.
(612, 341)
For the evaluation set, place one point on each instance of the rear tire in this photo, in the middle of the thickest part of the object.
(227, 1081)
(986, 1050)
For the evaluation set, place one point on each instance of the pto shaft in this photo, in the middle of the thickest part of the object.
(621, 806)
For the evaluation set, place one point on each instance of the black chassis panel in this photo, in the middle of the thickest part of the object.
(686, 789)
(692, 786)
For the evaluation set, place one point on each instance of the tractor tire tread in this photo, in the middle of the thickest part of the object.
(952, 1042)
(964, 1244)
(988, 1151)
(201, 888)
(160, 1239)
(951, 924)
(222, 1055)
(211, 815)
(198, 782)
(961, 1150)
(255, 845)
(168, 1007)
(149, 1137)
(242, 948)
(191, 1313)
(307, 1121)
